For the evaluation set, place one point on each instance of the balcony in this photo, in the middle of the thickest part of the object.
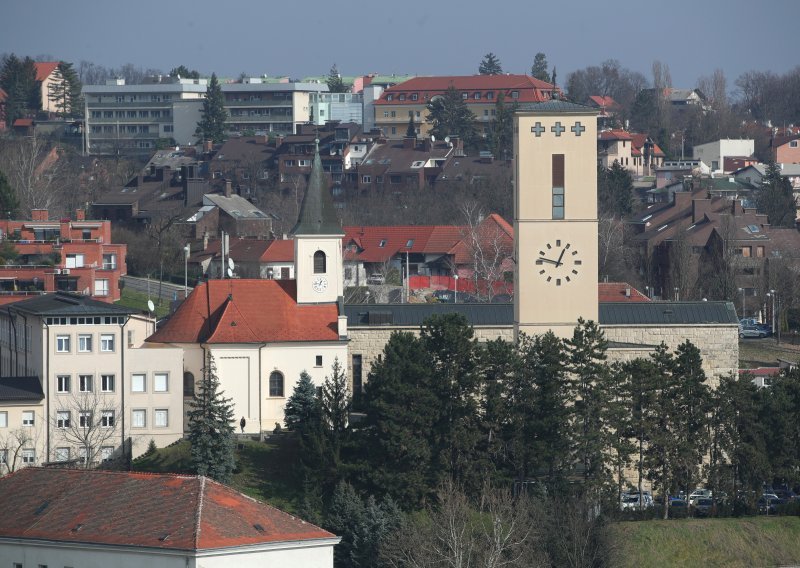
(258, 119)
(130, 120)
(258, 104)
(131, 105)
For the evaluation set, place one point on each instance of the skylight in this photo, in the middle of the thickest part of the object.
(753, 228)
(382, 243)
(661, 228)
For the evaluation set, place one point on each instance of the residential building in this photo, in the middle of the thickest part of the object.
(22, 414)
(252, 258)
(607, 110)
(94, 372)
(47, 75)
(398, 165)
(671, 171)
(637, 153)
(245, 160)
(261, 108)
(784, 144)
(342, 107)
(70, 517)
(714, 153)
(71, 255)
(410, 99)
(235, 215)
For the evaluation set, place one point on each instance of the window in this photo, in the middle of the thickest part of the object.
(4, 457)
(106, 453)
(394, 130)
(109, 261)
(319, 262)
(138, 418)
(138, 382)
(101, 287)
(389, 97)
(465, 96)
(393, 114)
(366, 179)
(476, 96)
(395, 179)
(402, 97)
(161, 418)
(82, 454)
(414, 96)
(386, 114)
(62, 343)
(27, 417)
(62, 383)
(85, 383)
(85, 419)
(107, 342)
(514, 94)
(62, 454)
(318, 361)
(29, 456)
(188, 384)
(760, 251)
(275, 384)
(558, 186)
(84, 343)
(160, 382)
(490, 95)
(75, 261)
(62, 419)
(358, 379)
(107, 383)
(4, 419)
(107, 419)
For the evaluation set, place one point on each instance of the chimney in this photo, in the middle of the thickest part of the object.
(228, 188)
(627, 292)
(699, 208)
(80, 215)
(208, 145)
(39, 215)
(205, 240)
(427, 144)
(278, 140)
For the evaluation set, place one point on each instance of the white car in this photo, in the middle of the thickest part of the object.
(699, 494)
(631, 501)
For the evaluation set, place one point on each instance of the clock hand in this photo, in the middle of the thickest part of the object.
(548, 260)
(558, 262)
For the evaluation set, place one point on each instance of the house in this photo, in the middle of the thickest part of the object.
(21, 411)
(237, 216)
(341, 107)
(397, 165)
(671, 171)
(637, 153)
(71, 255)
(761, 376)
(70, 517)
(607, 110)
(47, 75)
(245, 161)
(785, 145)
(252, 258)
(410, 99)
(714, 153)
(105, 395)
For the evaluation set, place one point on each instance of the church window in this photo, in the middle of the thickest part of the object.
(558, 186)
(319, 262)
(188, 384)
(318, 361)
(276, 384)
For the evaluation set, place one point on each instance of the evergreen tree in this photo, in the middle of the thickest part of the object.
(614, 191)
(18, 80)
(640, 377)
(301, 405)
(498, 363)
(334, 81)
(411, 131)
(779, 414)
(184, 73)
(620, 417)
(65, 91)
(502, 133)
(450, 116)
(775, 197)
(211, 428)
(213, 114)
(490, 65)
(336, 407)
(8, 198)
(539, 68)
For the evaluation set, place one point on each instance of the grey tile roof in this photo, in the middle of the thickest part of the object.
(556, 106)
(415, 314)
(66, 304)
(667, 313)
(20, 388)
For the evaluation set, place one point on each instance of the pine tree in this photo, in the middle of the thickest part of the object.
(65, 91)
(302, 404)
(336, 407)
(775, 197)
(335, 82)
(539, 68)
(184, 73)
(614, 190)
(211, 428)
(502, 133)
(450, 116)
(8, 198)
(213, 114)
(18, 80)
(490, 65)
(411, 131)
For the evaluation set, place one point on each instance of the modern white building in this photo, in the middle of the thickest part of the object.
(344, 107)
(83, 518)
(714, 153)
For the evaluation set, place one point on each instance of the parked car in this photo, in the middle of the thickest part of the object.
(446, 296)
(631, 501)
(768, 504)
(703, 507)
(752, 331)
(699, 494)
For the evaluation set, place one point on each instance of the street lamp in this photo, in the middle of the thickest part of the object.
(187, 250)
(677, 294)
(742, 291)
(455, 286)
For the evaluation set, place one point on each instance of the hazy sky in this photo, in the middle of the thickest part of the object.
(431, 37)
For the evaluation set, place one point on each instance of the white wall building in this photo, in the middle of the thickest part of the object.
(714, 153)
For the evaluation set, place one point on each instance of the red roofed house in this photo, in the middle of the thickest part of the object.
(637, 153)
(47, 74)
(264, 333)
(410, 99)
(73, 517)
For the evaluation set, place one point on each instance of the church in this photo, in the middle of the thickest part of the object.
(263, 333)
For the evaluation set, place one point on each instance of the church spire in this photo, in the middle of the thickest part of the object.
(317, 214)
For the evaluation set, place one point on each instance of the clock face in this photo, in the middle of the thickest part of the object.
(558, 262)
(319, 284)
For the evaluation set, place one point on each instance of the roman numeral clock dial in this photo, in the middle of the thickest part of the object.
(558, 263)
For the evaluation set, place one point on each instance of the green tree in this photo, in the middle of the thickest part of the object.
(184, 73)
(450, 116)
(65, 91)
(779, 415)
(490, 65)
(213, 114)
(411, 131)
(335, 82)
(614, 191)
(502, 127)
(775, 197)
(336, 407)
(8, 198)
(539, 68)
(211, 427)
(18, 80)
(301, 405)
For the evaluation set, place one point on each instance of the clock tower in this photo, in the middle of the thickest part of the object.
(318, 243)
(555, 217)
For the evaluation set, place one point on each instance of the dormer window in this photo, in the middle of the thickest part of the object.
(490, 95)
(382, 243)
(389, 97)
(401, 97)
(414, 96)
(476, 96)
(514, 94)
(465, 96)
(319, 262)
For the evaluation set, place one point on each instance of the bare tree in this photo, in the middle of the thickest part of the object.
(87, 421)
(489, 248)
(613, 251)
(680, 265)
(33, 168)
(15, 442)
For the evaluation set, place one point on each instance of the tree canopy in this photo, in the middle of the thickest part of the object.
(490, 65)
(335, 82)
(539, 68)
(213, 114)
(450, 116)
(184, 73)
(18, 80)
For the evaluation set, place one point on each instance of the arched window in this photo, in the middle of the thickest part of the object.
(276, 384)
(319, 262)
(188, 384)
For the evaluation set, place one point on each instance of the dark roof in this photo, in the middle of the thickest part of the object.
(611, 313)
(317, 214)
(66, 304)
(556, 106)
(157, 511)
(667, 313)
(20, 388)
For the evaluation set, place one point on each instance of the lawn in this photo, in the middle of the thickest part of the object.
(264, 469)
(138, 301)
(765, 353)
(751, 541)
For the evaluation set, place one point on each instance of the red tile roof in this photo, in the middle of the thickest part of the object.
(761, 372)
(529, 88)
(492, 232)
(638, 141)
(248, 311)
(605, 102)
(44, 69)
(23, 122)
(619, 292)
(428, 239)
(615, 134)
(279, 251)
(162, 511)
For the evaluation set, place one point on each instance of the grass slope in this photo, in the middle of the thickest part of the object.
(752, 541)
(138, 301)
(765, 353)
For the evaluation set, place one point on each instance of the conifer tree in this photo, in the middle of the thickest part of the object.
(539, 68)
(18, 80)
(9, 203)
(450, 116)
(211, 427)
(213, 114)
(411, 131)
(490, 65)
(335, 82)
(301, 406)
(336, 407)
(502, 133)
(65, 91)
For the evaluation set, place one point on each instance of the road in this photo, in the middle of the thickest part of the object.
(169, 291)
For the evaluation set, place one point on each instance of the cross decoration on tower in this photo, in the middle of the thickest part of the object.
(537, 129)
(557, 128)
(578, 128)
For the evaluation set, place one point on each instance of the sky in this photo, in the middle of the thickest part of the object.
(431, 37)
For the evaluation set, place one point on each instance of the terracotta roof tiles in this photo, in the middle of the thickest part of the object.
(44, 69)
